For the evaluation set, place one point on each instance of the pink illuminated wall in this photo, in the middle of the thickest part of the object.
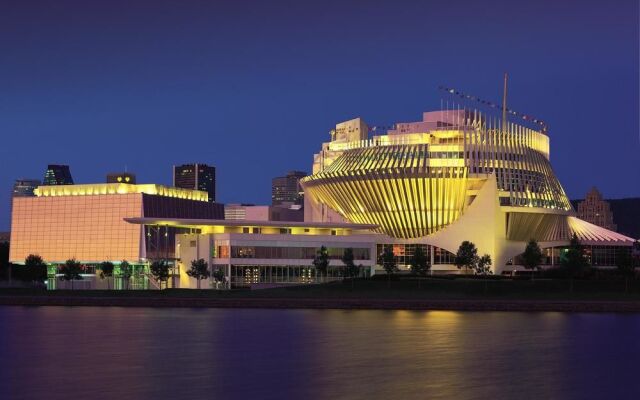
(90, 228)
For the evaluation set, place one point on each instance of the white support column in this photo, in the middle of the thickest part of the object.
(432, 257)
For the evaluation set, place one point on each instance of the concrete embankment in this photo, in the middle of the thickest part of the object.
(330, 303)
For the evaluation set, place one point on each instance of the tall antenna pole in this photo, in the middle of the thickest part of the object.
(504, 103)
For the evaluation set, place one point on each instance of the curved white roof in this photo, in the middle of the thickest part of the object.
(594, 234)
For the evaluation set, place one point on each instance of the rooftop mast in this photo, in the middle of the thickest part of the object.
(504, 103)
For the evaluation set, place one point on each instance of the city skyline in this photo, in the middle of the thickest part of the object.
(283, 94)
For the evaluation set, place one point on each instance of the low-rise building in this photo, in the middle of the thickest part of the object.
(265, 252)
(254, 212)
(25, 187)
(87, 222)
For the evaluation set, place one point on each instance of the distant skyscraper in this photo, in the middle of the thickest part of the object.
(121, 177)
(24, 187)
(58, 175)
(197, 177)
(287, 189)
(597, 211)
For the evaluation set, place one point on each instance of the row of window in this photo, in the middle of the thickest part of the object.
(597, 256)
(282, 231)
(404, 252)
(282, 274)
(297, 253)
(522, 202)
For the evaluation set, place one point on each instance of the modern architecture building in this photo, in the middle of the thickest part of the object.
(57, 175)
(596, 210)
(196, 177)
(25, 187)
(121, 177)
(286, 190)
(456, 175)
(263, 252)
(87, 222)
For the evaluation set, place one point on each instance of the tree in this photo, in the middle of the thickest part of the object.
(351, 270)
(106, 271)
(347, 260)
(125, 273)
(389, 263)
(356, 272)
(420, 265)
(218, 275)
(467, 256)
(626, 266)
(483, 266)
(321, 261)
(532, 257)
(36, 269)
(419, 262)
(574, 260)
(199, 270)
(71, 270)
(160, 271)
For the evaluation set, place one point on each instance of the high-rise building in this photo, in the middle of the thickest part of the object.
(196, 177)
(121, 177)
(57, 175)
(25, 187)
(287, 190)
(596, 210)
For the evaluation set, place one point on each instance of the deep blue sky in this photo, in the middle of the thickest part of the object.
(254, 87)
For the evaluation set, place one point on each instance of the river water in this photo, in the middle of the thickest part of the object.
(143, 353)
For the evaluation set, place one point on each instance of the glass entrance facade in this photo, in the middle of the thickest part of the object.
(244, 275)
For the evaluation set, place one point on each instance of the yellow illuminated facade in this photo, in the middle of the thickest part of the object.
(413, 183)
(96, 189)
(423, 182)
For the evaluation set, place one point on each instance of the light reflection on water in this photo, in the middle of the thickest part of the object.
(138, 353)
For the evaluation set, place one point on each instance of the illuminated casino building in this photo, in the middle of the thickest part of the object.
(456, 175)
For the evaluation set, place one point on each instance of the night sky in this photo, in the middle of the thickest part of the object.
(254, 87)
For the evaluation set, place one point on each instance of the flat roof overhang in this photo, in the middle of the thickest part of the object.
(195, 223)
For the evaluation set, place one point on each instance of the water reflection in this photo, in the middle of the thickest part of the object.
(106, 353)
